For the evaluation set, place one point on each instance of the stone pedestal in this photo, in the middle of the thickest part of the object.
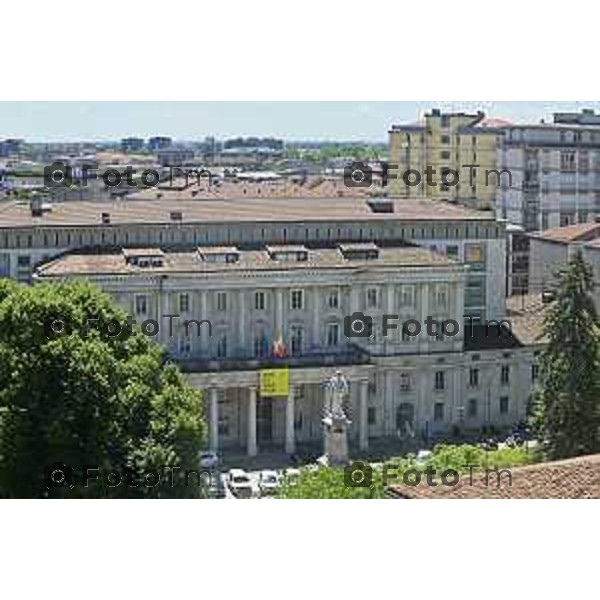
(336, 441)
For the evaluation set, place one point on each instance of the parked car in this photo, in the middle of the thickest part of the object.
(268, 482)
(239, 483)
(209, 460)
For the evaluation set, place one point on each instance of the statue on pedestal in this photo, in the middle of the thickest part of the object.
(335, 421)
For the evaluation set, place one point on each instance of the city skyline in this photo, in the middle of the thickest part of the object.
(293, 121)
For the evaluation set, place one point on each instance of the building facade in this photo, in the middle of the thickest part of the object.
(464, 143)
(555, 172)
(299, 298)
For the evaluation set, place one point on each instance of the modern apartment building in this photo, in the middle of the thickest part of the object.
(462, 150)
(555, 169)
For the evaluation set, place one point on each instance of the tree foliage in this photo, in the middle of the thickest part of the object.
(567, 404)
(334, 482)
(89, 399)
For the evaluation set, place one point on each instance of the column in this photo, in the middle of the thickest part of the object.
(389, 416)
(279, 313)
(316, 325)
(290, 441)
(252, 449)
(203, 336)
(363, 439)
(214, 420)
(242, 322)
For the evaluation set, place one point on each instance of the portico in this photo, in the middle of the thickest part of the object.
(240, 417)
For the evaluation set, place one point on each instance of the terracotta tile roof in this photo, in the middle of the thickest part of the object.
(572, 233)
(232, 210)
(88, 264)
(574, 478)
(526, 315)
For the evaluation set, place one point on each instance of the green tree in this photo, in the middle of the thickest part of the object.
(88, 399)
(567, 403)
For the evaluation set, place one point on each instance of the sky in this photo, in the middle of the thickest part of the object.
(343, 121)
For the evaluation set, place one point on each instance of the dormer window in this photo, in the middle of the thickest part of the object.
(219, 254)
(288, 253)
(366, 251)
(144, 257)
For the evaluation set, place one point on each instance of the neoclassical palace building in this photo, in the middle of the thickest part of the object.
(249, 288)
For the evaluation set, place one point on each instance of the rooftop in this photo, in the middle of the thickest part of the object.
(234, 210)
(574, 478)
(582, 232)
(526, 314)
(88, 264)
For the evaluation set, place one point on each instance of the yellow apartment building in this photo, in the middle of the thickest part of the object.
(454, 155)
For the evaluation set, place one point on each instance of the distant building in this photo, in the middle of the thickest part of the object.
(159, 143)
(11, 147)
(555, 172)
(132, 144)
(447, 143)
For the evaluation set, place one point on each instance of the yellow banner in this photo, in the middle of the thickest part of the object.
(274, 382)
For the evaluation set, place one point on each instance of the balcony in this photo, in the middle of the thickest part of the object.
(347, 355)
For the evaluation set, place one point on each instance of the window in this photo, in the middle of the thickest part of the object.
(441, 296)
(333, 334)
(261, 344)
(184, 303)
(439, 380)
(445, 155)
(535, 371)
(405, 383)
(407, 295)
(371, 415)
(259, 301)
(24, 260)
(221, 301)
(438, 411)
(445, 139)
(296, 339)
(222, 346)
(452, 252)
(472, 408)
(372, 298)
(333, 300)
(473, 253)
(505, 374)
(297, 300)
(503, 405)
(141, 305)
(184, 343)
(473, 377)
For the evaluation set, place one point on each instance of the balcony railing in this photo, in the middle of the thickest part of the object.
(350, 354)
